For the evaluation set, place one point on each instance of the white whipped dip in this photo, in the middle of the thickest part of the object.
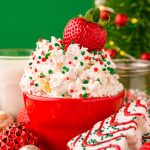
(54, 72)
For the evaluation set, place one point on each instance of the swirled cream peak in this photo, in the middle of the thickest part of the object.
(75, 72)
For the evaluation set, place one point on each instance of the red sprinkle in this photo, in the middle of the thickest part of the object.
(58, 48)
(89, 94)
(43, 59)
(31, 83)
(95, 69)
(51, 47)
(40, 40)
(80, 95)
(97, 59)
(101, 63)
(38, 62)
(87, 57)
(70, 62)
(42, 53)
(33, 57)
(71, 91)
(35, 70)
(67, 78)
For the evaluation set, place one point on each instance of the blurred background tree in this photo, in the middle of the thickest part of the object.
(129, 28)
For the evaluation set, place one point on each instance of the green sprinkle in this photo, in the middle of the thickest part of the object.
(56, 44)
(62, 47)
(108, 63)
(30, 78)
(134, 118)
(63, 52)
(83, 88)
(81, 63)
(76, 58)
(98, 79)
(93, 58)
(112, 71)
(50, 71)
(39, 57)
(67, 69)
(72, 42)
(42, 75)
(62, 95)
(83, 53)
(104, 69)
(47, 55)
(36, 84)
(85, 82)
(118, 139)
(108, 68)
(63, 72)
(99, 53)
(84, 95)
(64, 67)
(30, 63)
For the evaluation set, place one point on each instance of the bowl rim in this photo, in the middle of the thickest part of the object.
(40, 98)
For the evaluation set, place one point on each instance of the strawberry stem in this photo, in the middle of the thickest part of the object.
(93, 15)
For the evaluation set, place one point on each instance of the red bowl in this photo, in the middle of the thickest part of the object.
(57, 120)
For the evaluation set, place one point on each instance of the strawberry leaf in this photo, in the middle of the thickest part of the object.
(96, 15)
(89, 15)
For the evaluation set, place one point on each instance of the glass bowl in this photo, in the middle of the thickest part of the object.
(12, 62)
(57, 120)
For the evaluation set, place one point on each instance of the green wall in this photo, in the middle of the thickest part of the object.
(22, 22)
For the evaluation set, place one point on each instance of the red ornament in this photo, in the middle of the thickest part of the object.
(121, 20)
(23, 116)
(112, 53)
(145, 146)
(104, 14)
(145, 56)
(16, 135)
(86, 34)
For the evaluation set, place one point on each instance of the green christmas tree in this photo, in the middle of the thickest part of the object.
(132, 37)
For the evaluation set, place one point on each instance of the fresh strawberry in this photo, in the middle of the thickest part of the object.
(16, 135)
(145, 146)
(23, 116)
(86, 32)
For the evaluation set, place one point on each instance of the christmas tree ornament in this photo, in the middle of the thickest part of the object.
(111, 43)
(121, 20)
(145, 146)
(134, 20)
(104, 15)
(23, 116)
(86, 32)
(16, 135)
(145, 56)
(136, 29)
(29, 147)
(5, 119)
(112, 53)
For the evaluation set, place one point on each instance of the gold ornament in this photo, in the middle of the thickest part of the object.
(134, 20)
(111, 43)
(122, 53)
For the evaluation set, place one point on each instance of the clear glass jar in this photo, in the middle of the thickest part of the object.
(135, 76)
(12, 62)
